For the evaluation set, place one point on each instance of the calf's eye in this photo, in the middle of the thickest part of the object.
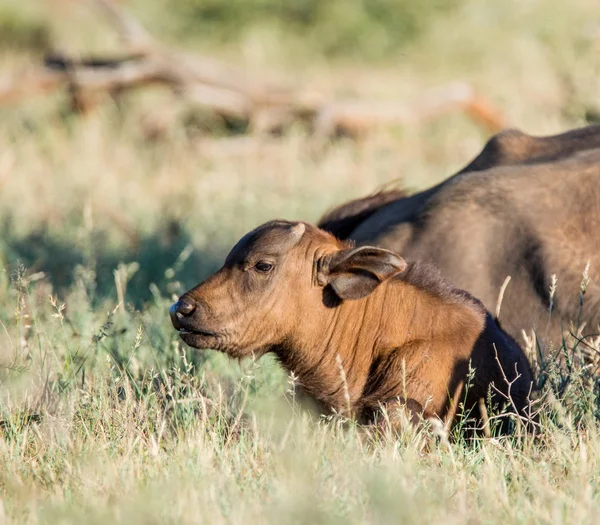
(263, 267)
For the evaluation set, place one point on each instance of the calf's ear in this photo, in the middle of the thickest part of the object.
(354, 273)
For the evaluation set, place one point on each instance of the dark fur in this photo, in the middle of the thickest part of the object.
(513, 147)
(527, 207)
(343, 219)
(428, 278)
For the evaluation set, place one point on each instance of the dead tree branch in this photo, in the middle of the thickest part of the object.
(230, 93)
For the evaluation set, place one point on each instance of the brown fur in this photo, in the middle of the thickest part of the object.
(527, 207)
(401, 333)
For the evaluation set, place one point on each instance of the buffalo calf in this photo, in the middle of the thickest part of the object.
(361, 328)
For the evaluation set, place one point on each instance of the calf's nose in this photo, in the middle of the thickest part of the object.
(180, 310)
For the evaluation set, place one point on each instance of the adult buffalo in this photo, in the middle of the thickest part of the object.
(525, 207)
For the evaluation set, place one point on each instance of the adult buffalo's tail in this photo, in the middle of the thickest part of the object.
(344, 219)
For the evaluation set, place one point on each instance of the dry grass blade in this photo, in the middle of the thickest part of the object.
(501, 296)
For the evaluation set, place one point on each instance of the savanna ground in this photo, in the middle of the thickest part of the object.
(106, 417)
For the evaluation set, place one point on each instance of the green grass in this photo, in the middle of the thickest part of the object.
(106, 417)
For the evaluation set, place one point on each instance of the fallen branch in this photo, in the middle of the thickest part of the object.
(359, 116)
(230, 93)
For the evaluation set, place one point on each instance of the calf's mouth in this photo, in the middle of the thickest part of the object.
(196, 336)
(200, 338)
(205, 333)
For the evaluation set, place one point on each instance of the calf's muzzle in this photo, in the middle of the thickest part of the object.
(182, 308)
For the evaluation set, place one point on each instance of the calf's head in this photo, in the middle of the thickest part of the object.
(279, 278)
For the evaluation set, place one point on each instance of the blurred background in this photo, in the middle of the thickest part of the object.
(141, 171)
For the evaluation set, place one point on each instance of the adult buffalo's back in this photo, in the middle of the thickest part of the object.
(527, 207)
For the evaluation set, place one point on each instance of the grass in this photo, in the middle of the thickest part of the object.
(105, 416)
